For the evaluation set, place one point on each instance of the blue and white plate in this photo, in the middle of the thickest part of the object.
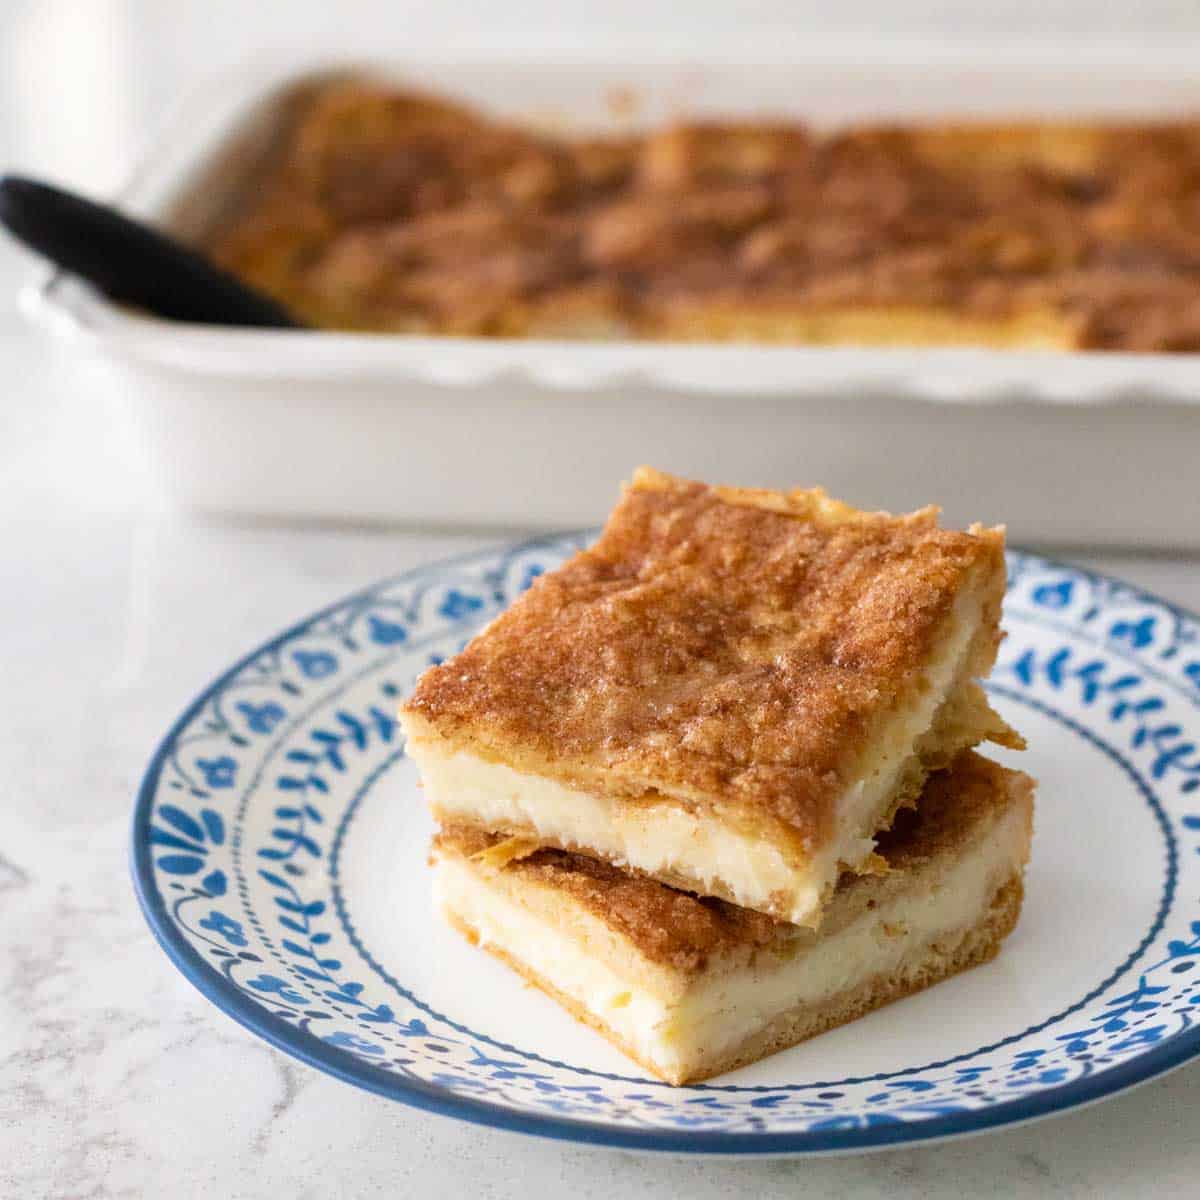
(279, 849)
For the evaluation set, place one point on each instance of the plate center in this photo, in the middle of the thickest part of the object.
(1094, 890)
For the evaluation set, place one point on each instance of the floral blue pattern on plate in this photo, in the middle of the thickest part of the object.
(279, 844)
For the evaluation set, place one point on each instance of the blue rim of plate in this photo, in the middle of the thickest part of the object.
(1175, 1052)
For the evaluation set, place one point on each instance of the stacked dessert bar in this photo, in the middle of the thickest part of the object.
(711, 784)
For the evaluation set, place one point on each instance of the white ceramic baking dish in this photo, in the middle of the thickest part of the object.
(1067, 448)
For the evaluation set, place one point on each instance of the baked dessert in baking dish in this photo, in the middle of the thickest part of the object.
(383, 209)
(732, 692)
(692, 987)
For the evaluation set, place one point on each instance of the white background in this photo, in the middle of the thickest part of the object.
(116, 1079)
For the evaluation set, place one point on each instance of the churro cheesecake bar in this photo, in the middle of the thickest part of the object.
(692, 987)
(732, 692)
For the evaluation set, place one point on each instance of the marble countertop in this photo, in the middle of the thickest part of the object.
(117, 1078)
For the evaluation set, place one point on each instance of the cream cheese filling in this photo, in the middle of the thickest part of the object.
(725, 1010)
(707, 1019)
(634, 1013)
(660, 838)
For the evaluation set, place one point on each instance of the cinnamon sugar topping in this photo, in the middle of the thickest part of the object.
(391, 210)
(720, 646)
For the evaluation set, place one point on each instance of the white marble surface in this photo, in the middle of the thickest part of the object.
(116, 1078)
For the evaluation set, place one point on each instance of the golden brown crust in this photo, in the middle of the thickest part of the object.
(685, 932)
(724, 646)
(386, 209)
(954, 806)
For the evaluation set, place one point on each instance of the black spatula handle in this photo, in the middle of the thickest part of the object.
(130, 261)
